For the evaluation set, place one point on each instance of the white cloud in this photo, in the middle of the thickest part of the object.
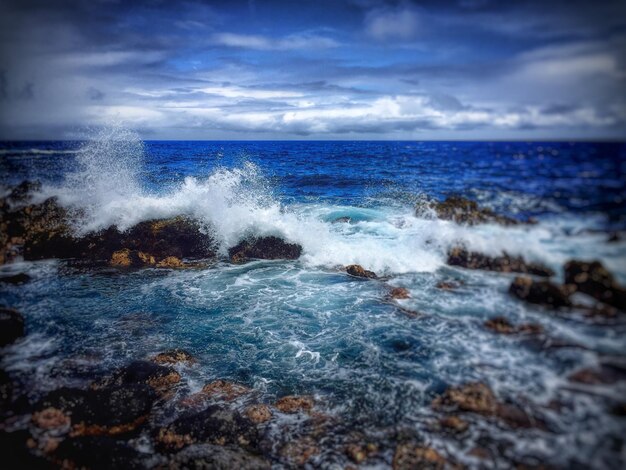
(399, 23)
(258, 42)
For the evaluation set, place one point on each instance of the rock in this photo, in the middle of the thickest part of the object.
(160, 378)
(475, 397)
(299, 451)
(472, 260)
(413, 456)
(97, 452)
(264, 248)
(215, 457)
(357, 270)
(294, 404)
(107, 411)
(447, 285)
(174, 356)
(465, 211)
(224, 389)
(11, 326)
(454, 424)
(6, 391)
(16, 279)
(542, 293)
(258, 413)
(214, 425)
(503, 326)
(360, 453)
(170, 262)
(604, 374)
(126, 258)
(51, 418)
(399, 293)
(342, 220)
(596, 281)
(17, 447)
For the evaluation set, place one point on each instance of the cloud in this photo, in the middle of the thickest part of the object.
(386, 24)
(266, 43)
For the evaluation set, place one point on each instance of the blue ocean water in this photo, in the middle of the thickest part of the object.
(304, 326)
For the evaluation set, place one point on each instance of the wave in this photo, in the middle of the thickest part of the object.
(232, 203)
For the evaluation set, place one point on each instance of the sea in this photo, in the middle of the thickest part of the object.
(304, 326)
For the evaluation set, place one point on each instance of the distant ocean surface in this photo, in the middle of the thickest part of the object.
(304, 326)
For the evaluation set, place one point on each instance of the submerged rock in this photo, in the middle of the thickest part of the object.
(465, 211)
(11, 326)
(224, 389)
(605, 373)
(593, 279)
(503, 326)
(15, 279)
(158, 377)
(472, 260)
(399, 293)
(542, 293)
(357, 270)
(174, 356)
(208, 456)
(264, 248)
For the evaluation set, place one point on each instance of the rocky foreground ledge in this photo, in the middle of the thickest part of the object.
(44, 231)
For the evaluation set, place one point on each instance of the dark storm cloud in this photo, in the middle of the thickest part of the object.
(281, 69)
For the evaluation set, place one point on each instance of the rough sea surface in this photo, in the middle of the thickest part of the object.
(304, 326)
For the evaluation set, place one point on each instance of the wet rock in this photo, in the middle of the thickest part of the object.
(474, 397)
(596, 281)
(126, 258)
(505, 263)
(97, 452)
(51, 418)
(107, 411)
(357, 270)
(604, 374)
(159, 377)
(399, 293)
(258, 413)
(174, 356)
(11, 326)
(214, 425)
(171, 262)
(208, 456)
(542, 293)
(454, 424)
(342, 220)
(264, 248)
(447, 285)
(359, 453)
(224, 389)
(503, 326)
(412, 456)
(6, 391)
(295, 404)
(17, 452)
(465, 211)
(300, 451)
(15, 279)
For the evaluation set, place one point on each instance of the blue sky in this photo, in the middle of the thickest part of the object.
(342, 69)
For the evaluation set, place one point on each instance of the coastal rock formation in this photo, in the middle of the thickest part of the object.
(593, 279)
(174, 356)
(503, 326)
(412, 455)
(15, 279)
(399, 293)
(160, 378)
(11, 326)
(459, 256)
(295, 404)
(357, 270)
(258, 413)
(264, 248)
(224, 390)
(97, 452)
(217, 457)
(465, 211)
(542, 293)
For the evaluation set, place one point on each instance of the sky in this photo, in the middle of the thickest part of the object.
(323, 69)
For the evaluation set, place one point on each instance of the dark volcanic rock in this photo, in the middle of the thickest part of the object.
(16, 279)
(110, 410)
(466, 211)
(11, 326)
(6, 390)
(215, 425)
(357, 270)
(97, 452)
(505, 263)
(595, 280)
(264, 248)
(208, 456)
(16, 453)
(540, 292)
(159, 377)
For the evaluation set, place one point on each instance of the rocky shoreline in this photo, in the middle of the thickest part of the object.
(143, 415)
